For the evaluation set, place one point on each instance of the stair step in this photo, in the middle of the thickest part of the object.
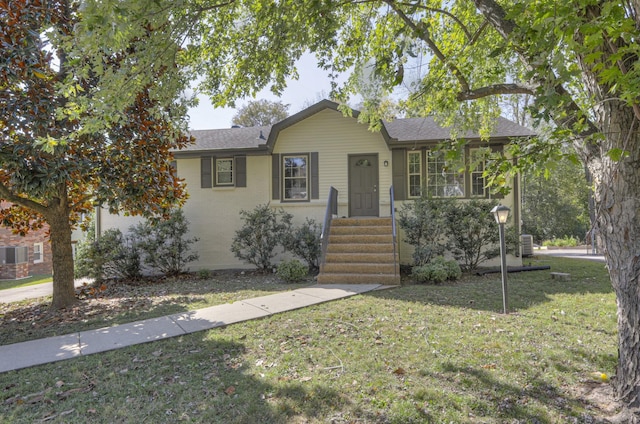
(357, 257)
(360, 248)
(361, 222)
(339, 278)
(360, 238)
(360, 229)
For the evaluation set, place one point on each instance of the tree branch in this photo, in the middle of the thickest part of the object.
(444, 12)
(496, 16)
(422, 32)
(10, 196)
(493, 90)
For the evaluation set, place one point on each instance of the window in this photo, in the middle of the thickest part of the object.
(224, 171)
(415, 173)
(14, 255)
(477, 159)
(445, 178)
(38, 253)
(295, 177)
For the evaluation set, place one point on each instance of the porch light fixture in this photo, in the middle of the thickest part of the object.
(501, 214)
(385, 163)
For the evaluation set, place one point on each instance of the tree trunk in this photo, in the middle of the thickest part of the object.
(617, 198)
(64, 294)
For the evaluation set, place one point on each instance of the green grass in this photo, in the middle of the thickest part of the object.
(415, 354)
(35, 279)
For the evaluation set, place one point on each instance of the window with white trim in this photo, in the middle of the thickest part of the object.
(224, 171)
(295, 177)
(414, 167)
(38, 253)
(445, 177)
(477, 158)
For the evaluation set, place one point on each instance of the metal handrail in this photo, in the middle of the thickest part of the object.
(393, 229)
(332, 209)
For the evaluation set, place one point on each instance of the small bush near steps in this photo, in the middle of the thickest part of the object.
(438, 270)
(292, 271)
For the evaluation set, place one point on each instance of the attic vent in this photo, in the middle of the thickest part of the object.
(236, 126)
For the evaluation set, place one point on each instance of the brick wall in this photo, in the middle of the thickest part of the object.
(7, 238)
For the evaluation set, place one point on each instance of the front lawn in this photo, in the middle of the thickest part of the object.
(415, 354)
(24, 282)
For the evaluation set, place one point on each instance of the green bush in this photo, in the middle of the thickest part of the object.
(113, 255)
(164, 244)
(292, 271)
(203, 274)
(566, 241)
(437, 271)
(264, 229)
(424, 226)
(304, 242)
(467, 229)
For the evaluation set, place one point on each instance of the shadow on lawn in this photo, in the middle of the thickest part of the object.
(506, 400)
(194, 380)
(524, 289)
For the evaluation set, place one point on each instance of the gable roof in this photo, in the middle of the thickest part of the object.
(260, 140)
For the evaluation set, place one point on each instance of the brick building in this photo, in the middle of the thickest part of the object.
(22, 256)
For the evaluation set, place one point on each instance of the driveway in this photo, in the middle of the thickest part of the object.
(580, 253)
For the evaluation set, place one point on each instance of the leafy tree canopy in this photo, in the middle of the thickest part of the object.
(80, 124)
(258, 113)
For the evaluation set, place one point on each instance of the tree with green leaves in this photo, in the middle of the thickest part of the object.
(80, 127)
(257, 113)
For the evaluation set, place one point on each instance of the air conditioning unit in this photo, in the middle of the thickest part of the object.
(527, 245)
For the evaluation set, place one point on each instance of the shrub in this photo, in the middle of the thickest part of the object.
(473, 232)
(292, 271)
(437, 271)
(264, 229)
(113, 255)
(424, 228)
(304, 242)
(164, 243)
(203, 274)
(566, 241)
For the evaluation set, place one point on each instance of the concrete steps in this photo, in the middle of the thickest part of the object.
(360, 251)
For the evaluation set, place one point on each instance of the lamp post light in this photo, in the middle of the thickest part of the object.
(501, 214)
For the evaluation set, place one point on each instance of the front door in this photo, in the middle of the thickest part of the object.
(363, 185)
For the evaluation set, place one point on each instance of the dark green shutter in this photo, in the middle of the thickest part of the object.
(315, 183)
(205, 172)
(240, 171)
(275, 177)
(399, 165)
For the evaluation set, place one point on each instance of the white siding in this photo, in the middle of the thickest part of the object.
(214, 213)
(335, 137)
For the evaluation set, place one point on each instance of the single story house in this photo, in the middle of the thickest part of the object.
(294, 164)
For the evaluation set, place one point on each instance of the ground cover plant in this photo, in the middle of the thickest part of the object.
(415, 354)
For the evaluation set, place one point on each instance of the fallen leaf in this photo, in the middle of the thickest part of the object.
(489, 366)
(59, 383)
(399, 371)
(230, 390)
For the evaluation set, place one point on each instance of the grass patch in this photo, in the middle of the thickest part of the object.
(415, 354)
(33, 280)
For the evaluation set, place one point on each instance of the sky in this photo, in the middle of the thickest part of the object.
(312, 85)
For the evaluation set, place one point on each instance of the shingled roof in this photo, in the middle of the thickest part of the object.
(396, 132)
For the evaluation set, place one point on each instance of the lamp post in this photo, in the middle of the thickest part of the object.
(501, 214)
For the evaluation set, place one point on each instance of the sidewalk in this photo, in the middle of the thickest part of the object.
(579, 253)
(42, 351)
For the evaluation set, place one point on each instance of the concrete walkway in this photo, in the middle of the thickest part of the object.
(578, 253)
(36, 352)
